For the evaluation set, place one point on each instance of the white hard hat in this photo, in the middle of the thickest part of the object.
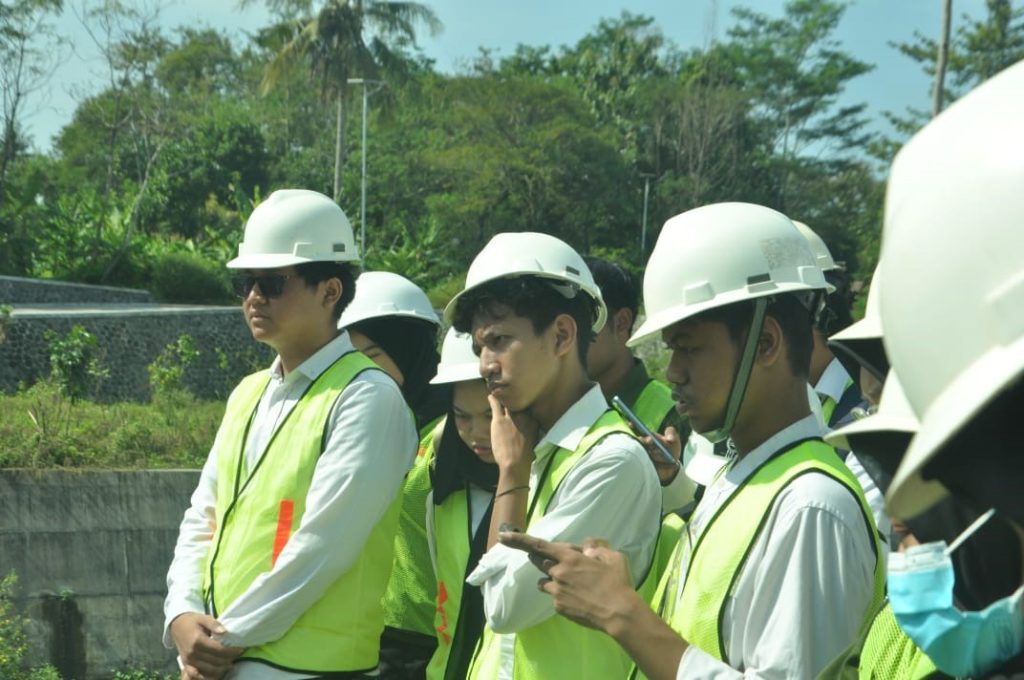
(532, 254)
(294, 226)
(385, 294)
(822, 255)
(861, 341)
(953, 261)
(721, 254)
(458, 362)
(893, 415)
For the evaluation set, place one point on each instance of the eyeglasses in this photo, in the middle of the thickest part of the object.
(271, 285)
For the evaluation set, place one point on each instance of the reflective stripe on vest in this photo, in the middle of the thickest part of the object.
(720, 551)
(409, 599)
(831, 412)
(341, 631)
(557, 648)
(452, 536)
(652, 404)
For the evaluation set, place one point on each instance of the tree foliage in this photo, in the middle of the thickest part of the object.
(150, 182)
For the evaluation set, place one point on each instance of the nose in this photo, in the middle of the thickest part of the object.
(676, 372)
(489, 366)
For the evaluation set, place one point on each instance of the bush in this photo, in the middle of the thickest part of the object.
(168, 369)
(43, 428)
(189, 278)
(12, 639)
(75, 362)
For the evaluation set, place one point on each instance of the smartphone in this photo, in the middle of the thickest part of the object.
(621, 407)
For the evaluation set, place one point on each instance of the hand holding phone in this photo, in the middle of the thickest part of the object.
(642, 429)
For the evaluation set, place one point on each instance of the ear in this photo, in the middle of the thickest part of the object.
(331, 290)
(622, 324)
(565, 334)
(771, 346)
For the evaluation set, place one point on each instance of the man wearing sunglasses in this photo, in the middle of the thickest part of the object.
(284, 554)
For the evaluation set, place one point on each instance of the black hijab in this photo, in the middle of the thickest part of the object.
(412, 345)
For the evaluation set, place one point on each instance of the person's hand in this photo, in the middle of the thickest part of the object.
(202, 657)
(589, 584)
(513, 436)
(666, 471)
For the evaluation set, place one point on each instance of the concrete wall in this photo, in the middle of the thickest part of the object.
(91, 550)
(130, 338)
(20, 291)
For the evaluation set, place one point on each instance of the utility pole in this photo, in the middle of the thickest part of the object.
(643, 225)
(362, 194)
(942, 57)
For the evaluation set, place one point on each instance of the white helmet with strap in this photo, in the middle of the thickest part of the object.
(532, 254)
(458, 362)
(719, 255)
(860, 343)
(953, 261)
(294, 226)
(385, 294)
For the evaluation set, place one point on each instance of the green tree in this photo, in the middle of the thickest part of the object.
(346, 39)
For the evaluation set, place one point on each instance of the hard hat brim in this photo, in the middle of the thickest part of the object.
(868, 328)
(846, 437)
(274, 261)
(683, 311)
(977, 386)
(456, 374)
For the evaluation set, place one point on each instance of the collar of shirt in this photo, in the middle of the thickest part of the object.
(833, 381)
(320, 361)
(806, 427)
(569, 430)
(634, 383)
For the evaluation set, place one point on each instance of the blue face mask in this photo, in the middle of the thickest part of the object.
(959, 643)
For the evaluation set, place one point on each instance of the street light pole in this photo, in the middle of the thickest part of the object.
(643, 226)
(362, 182)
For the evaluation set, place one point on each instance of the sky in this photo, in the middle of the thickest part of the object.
(865, 32)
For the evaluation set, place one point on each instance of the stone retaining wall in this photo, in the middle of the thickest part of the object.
(130, 338)
(91, 550)
(20, 291)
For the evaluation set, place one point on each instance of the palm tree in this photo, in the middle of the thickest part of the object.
(348, 39)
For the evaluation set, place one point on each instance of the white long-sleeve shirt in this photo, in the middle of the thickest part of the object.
(370, 444)
(831, 385)
(613, 492)
(804, 589)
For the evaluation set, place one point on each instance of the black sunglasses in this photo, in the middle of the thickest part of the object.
(271, 285)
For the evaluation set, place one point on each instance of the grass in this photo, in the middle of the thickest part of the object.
(40, 428)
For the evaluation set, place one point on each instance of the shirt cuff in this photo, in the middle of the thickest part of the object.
(696, 663)
(492, 563)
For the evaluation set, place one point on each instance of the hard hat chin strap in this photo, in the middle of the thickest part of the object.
(742, 377)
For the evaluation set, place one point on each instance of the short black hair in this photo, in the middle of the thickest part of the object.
(788, 310)
(530, 297)
(618, 286)
(837, 313)
(315, 272)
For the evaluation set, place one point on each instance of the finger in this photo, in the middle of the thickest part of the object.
(497, 408)
(591, 543)
(546, 585)
(671, 434)
(190, 672)
(538, 546)
(211, 625)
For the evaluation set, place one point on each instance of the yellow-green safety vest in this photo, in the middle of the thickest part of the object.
(557, 648)
(884, 653)
(652, 404)
(257, 510)
(719, 553)
(409, 598)
(453, 535)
